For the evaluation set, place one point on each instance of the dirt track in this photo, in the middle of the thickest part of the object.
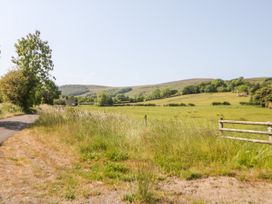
(10, 126)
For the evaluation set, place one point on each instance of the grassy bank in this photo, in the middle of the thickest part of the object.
(8, 110)
(112, 147)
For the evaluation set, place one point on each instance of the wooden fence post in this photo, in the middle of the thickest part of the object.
(269, 130)
(145, 120)
(220, 124)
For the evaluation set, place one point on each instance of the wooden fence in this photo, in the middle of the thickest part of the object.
(221, 123)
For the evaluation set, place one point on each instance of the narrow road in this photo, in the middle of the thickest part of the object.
(10, 126)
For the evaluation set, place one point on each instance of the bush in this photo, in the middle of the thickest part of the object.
(249, 103)
(14, 88)
(216, 103)
(225, 103)
(175, 104)
(104, 100)
(145, 104)
(191, 104)
(59, 102)
(245, 103)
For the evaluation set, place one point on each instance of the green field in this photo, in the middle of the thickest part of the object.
(203, 99)
(203, 113)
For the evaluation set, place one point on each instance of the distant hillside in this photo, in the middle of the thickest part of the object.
(77, 89)
(84, 90)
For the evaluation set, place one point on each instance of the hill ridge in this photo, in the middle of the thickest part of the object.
(91, 89)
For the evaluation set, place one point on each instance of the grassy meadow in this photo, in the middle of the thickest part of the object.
(114, 145)
(203, 99)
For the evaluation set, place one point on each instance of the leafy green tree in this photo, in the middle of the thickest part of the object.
(210, 88)
(34, 62)
(243, 89)
(156, 94)
(47, 92)
(217, 83)
(34, 57)
(121, 98)
(192, 89)
(165, 93)
(263, 96)
(104, 100)
(222, 89)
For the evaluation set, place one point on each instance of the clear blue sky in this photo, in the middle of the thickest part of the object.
(130, 42)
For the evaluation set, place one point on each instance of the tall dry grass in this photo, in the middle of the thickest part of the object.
(114, 143)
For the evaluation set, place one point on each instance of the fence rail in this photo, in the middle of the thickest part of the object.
(221, 123)
(245, 122)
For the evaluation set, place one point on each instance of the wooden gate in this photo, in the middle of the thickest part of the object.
(268, 133)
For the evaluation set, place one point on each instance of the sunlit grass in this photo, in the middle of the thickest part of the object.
(110, 144)
(7, 110)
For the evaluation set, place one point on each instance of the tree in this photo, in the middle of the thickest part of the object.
(243, 89)
(47, 92)
(34, 57)
(217, 83)
(263, 96)
(156, 94)
(192, 89)
(165, 93)
(104, 100)
(34, 62)
(210, 88)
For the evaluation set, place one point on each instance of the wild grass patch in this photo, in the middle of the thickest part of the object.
(110, 147)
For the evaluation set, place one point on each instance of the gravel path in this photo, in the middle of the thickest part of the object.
(10, 126)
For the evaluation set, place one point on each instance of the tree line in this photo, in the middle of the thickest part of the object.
(260, 93)
(239, 85)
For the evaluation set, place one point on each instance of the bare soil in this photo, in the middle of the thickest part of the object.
(28, 165)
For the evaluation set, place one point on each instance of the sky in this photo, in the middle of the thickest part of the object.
(134, 42)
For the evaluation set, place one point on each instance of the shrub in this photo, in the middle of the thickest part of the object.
(249, 103)
(225, 103)
(191, 104)
(14, 87)
(59, 102)
(175, 104)
(244, 103)
(216, 103)
(145, 104)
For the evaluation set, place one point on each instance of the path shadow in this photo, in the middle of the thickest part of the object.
(13, 125)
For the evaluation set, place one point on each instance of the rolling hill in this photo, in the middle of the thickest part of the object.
(85, 90)
(81, 90)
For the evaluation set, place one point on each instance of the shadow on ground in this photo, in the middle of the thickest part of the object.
(13, 125)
